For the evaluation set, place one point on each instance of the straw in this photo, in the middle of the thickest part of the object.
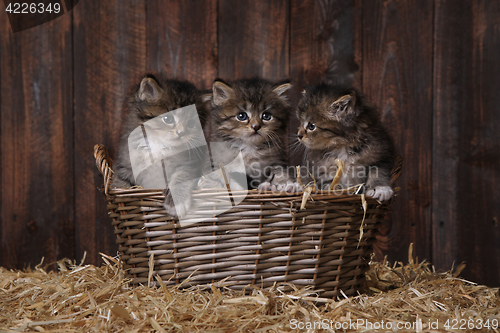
(86, 298)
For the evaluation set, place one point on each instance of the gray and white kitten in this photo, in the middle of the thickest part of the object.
(252, 116)
(172, 136)
(336, 123)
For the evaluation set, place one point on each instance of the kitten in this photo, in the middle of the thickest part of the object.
(169, 134)
(252, 116)
(335, 123)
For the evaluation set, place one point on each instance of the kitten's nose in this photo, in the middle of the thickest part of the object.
(180, 132)
(256, 127)
(300, 136)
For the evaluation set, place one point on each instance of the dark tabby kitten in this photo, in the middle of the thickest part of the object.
(335, 123)
(170, 139)
(252, 116)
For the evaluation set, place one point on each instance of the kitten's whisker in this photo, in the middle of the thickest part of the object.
(193, 145)
(295, 143)
(304, 152)
(275, 144)
(275, 138)
(267, 141)
(296, 146)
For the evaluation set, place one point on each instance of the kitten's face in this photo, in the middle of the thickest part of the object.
(253, 124)
(325, 119)
(173, 129)
(252, 112)
(161, 118)
(154, 99)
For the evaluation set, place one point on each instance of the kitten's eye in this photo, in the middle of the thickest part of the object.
(266, 116)
(168, 119)
(191, 123)
(311, 126)
(242, 116)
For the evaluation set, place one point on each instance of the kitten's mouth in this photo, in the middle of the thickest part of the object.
(304, 142)
(254, 135)
(175, 141)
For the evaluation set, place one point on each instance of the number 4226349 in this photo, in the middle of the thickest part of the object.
(32, 8)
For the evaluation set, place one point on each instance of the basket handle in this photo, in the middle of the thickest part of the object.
(396, 169)
(103, 163)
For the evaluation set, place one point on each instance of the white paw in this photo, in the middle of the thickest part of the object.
(290, 187)
(266, 186)
(382, 193)
(178, 210)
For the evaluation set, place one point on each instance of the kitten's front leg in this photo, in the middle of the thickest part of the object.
(283, 181)
(181, 186)
(123, 175)
(382, 193)
(378, 184)
(266, 186)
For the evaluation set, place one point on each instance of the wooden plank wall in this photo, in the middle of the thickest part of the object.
(36, 118)
(397, 77)
(431, 66)
(466, 158)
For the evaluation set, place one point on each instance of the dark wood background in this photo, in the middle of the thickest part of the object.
(431, 66)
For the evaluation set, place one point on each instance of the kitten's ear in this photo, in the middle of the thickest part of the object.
(281, 89)
(343, 105)
(221, 92)
(149, 90)
(206, 100)
(206, 97)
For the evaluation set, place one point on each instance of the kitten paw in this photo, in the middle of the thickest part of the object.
(290, 187)
(266, 186)
(382, 193)
(176, 210)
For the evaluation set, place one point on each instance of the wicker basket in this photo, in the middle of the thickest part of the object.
(266, 239)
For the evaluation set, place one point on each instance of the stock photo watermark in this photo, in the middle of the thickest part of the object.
(418, 325)
(28, 14)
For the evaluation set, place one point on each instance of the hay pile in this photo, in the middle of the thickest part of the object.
(86, 298)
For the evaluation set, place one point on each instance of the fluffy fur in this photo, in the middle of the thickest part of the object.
(252, 116)
(335, 123)
(153, 97)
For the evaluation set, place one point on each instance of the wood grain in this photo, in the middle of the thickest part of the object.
(323, 37)
(358, 45)
(451, 51)
(37, 216)
(479, 141)
(397, 77)
(253, 39)
(322, 41)
(110, 57)
(182, 40)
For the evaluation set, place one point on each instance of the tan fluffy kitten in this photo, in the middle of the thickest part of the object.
(335, 123)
